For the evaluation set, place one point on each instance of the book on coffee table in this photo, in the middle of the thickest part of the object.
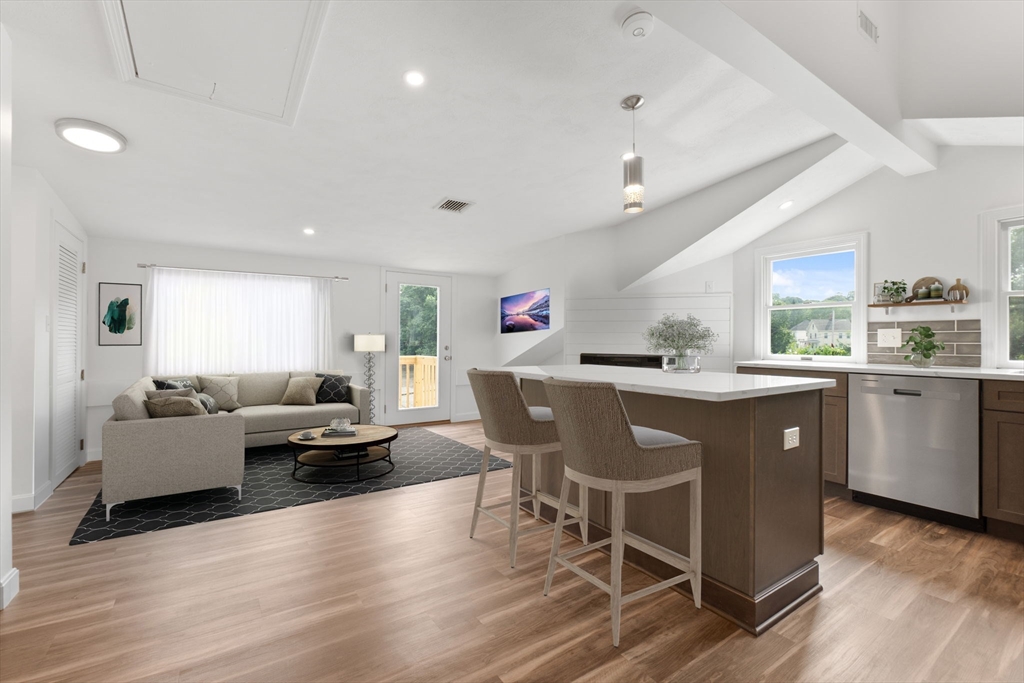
(348, 431)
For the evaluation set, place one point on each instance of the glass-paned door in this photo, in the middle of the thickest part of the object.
(419, 354)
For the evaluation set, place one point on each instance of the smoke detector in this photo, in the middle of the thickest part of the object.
(637, 25)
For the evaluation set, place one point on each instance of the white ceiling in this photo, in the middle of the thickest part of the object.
(1005, 131)
(519, 114)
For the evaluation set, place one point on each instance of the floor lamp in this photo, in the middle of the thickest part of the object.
(369, 344)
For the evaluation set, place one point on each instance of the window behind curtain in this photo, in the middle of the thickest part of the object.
(205, 322)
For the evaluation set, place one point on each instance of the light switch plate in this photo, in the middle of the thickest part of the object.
(790, 438)
(892, 336)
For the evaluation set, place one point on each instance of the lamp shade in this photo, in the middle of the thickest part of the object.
(369, 343)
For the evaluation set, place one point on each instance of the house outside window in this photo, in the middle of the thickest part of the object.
(812, 300)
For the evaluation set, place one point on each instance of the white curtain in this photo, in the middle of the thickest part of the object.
(205, 322)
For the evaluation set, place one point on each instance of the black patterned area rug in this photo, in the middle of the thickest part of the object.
(420, 456)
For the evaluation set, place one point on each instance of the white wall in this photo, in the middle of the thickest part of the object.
(357, 307)
(8, 574)
(920, 225)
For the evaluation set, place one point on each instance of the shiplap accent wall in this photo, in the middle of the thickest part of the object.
(615, 325)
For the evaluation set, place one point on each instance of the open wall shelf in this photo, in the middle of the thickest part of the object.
(937, 302)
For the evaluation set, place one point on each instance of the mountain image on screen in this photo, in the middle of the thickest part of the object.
(526, 312)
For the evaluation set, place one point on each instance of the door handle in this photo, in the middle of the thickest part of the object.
(906, 392)
(447, 357)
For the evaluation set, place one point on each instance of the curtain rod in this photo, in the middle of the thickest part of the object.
(337, 278)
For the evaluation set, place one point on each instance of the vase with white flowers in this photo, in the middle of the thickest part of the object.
(682, 340)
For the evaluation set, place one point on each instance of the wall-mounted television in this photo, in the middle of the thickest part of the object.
(526, 312)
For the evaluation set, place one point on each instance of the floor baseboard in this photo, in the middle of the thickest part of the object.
(9, 587)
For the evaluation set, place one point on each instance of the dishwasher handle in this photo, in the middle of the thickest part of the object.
(906, 392)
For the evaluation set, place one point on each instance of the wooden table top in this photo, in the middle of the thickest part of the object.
(366, 435)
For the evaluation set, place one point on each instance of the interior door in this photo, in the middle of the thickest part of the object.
(418, 340)
(66, 357)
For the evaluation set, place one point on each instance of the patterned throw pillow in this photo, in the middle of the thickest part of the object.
(334, 388)
(211, 406)
(180, 383)
(174, 406)
(223, 390)
(301, 391)
(164, 393)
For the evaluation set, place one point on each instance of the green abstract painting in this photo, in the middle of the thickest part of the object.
(120, 314)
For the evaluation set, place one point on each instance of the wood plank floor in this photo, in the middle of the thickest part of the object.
(389, 587)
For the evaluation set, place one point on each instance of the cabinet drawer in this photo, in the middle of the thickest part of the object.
(838, 390)
(1003, 395)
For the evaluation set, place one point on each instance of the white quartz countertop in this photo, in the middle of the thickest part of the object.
(703, 386)
(880, 369)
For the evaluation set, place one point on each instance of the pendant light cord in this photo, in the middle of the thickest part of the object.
(634, 130)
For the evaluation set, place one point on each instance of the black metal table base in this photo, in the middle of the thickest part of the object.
(340, 456)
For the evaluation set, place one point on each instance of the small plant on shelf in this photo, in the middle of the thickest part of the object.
(894, 290)
(923, 347)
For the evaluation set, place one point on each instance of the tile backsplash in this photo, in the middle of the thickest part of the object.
(962, 339)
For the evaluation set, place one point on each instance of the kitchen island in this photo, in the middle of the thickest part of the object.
(762, 504)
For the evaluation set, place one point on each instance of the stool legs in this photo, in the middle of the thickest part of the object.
(513, 522)
(618, 521)
(695, 527)
(584, 505)
(480, 489)
(563, 502)
(536, 485)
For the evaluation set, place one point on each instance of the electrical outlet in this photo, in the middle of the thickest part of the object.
(892, 336)
(790, 438)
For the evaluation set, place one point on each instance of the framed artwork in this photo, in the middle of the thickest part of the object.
(120, 311)
(526, 312)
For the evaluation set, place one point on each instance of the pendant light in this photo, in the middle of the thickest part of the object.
(632, 165)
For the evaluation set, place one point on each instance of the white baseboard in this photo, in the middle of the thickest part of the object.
(94, 454)
(9, 586)
(23, 502)
(465, 417)
(43, 493)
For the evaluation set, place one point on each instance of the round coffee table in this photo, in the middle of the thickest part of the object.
(371, 443)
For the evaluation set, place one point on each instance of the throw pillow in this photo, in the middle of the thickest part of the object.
(334, 388)
(301, 391)
(164, 393)
(180, 383)
(224, 390)
(211, 406)
(174, 406)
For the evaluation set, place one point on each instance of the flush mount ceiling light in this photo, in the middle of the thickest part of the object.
(637, 25)
(632, 165)
(414, 78)
(309, 231)
(90, 135)
(786, 204)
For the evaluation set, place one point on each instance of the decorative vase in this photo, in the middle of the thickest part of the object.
(896, 298)
(919, 361)
(959, 291)
(672, 364)
(691, 361)
(936, 290)
(923, 293)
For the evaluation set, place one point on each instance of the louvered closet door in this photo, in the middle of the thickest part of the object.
(66, 355)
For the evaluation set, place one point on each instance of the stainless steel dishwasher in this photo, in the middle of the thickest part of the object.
(915, 440)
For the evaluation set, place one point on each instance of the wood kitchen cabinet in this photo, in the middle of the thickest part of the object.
(1002, 451)
(833, 418)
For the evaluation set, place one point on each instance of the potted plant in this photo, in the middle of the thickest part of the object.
(895, 290)
(682, 340)
(923, 347)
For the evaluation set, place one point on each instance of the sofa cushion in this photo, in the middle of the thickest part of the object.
(164, 393)
(174, 406)
(280, 418)
(301, 391)
(182, 380)
(211, 405)
(334, 388)
(130, 403)
(260, 388)
(224, 390)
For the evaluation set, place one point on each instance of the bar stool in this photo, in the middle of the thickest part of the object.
(604, 451)
(510, 426)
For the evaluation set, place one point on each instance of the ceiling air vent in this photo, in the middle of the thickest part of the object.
(453, 205)
(867, 27)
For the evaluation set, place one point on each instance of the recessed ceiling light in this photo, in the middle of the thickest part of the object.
(414, 78)
(786, 204)
(309, 231)
(90, 135)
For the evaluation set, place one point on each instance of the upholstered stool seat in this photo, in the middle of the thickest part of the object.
(510, 426)
(602, 450)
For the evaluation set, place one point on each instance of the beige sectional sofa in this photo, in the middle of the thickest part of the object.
(145, 457)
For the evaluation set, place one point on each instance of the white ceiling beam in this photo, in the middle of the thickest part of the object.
(719, 30)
